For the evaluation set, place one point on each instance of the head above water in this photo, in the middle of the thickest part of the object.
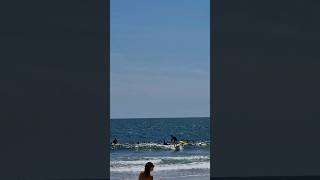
(148, 168)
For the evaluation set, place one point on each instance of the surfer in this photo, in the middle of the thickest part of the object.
(115, 141)
(146, 174)
(174, 140)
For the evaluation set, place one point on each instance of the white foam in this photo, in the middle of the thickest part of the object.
(136, 162)
(171, 167)
(138, 165)
(153, 145)
(178, 158)
(143, 145)
(158, 159)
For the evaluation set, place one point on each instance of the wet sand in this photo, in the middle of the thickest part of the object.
(198, 177)
(189, 177)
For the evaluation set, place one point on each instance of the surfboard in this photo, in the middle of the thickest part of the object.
(183, 142)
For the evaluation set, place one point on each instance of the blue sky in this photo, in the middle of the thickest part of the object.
(160, 57)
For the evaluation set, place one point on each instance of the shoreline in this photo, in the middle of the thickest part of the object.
(169, 175)
(190, 177)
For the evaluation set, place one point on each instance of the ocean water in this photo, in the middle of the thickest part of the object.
(141, 140)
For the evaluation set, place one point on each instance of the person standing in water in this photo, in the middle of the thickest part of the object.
(174, 140)
(115, 141)
(146, 174)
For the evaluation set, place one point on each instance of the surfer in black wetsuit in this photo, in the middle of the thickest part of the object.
(174, 140)
(115, 141)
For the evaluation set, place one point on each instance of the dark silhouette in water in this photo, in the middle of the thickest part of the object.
(145, 175)
(115, 141)
(165, 143)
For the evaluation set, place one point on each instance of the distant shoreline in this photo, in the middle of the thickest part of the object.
(162, 118)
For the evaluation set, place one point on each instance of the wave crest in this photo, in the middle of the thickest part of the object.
(156, 146)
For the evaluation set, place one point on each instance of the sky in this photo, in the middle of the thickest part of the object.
(160, 57)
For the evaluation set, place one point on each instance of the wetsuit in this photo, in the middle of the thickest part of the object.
(115, 141)
(174, 139)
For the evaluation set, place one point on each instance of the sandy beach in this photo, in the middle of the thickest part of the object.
(190, 177)
(198, 177)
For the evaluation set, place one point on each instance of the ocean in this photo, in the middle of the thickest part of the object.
(141, 140)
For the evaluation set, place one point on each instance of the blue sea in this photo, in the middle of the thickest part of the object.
(141, 140)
